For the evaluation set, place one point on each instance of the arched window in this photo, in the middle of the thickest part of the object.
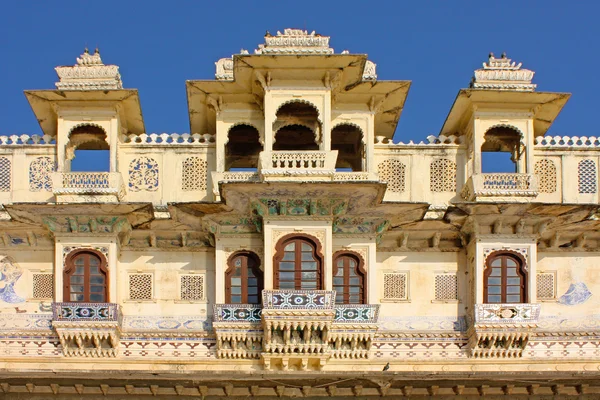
(298, 264)
(86, 277)
(243, 279)
(349, 279)
(505, 280)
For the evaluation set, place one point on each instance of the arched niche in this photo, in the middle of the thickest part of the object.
(502, 150)
(87, 148)
(243, 147)
(348, 140)
(297, 126)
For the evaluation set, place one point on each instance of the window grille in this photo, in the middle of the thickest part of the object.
(586, 170)
(442, 175)
(192, 287)
(546, 172)
(546, 285)
(193, 174)
(446, 287)
(393, 172)
(140, 286)
(43, 286)
(39, 174)
(395, 286)
(143, 174)
(5, 174)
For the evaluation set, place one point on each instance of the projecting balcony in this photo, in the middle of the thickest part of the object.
(87, 329)
(502, 330)
(501, 187)
(298, 165)
(295, 329)
(88, 187)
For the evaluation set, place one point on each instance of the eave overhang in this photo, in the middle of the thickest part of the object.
(386, 97)
(44, 105)
(545, 107)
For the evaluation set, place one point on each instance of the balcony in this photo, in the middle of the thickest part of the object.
(87, 329)
(239, 330)
(499, 187)
(292, 165)
(295, 329)
(502, 330)
(84, 187)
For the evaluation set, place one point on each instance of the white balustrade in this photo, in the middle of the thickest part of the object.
(88, 186)
(315, 164)
(497, 186)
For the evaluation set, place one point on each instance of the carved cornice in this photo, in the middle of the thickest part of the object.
(89, 74)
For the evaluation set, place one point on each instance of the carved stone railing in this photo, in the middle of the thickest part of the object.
(80, 187)
(291, 165)
(239, 330)
(500, 187)
(25, 139)
(175, 139)
(502, 330)
(353, 330)
(87, 329)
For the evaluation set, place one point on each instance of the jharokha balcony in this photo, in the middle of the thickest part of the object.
(79, 187)
(87, 329)
(295, 329)
(288, 165)
(502, 330)
(498, 186)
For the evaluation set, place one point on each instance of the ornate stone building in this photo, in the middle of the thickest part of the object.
(289, 247)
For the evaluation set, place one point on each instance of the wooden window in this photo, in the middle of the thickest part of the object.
(243, 279)
(298, 264)
(349, 279)
(85, 277)
(505, 279)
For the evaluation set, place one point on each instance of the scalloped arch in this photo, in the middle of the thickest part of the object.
(291, 101)
(509, 126)
(82, 124)
(363, 138)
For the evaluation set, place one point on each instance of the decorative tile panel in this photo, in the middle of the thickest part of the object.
(237, 313)
(143, 174)
(39, 174)
(356, 313)
(507, 313)
(85, 312)
(300, 299)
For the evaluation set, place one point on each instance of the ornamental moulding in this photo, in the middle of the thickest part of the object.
(503, 74)
(89, 74)
(294, 41)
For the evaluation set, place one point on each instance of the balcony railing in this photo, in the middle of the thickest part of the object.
(506, 313)
(291, 164)
(500, 186)
(67, 311)
(87, 329)
(88, 186)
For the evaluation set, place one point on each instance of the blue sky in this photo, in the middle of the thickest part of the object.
(437, 45)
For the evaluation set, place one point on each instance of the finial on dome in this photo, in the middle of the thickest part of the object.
(503, 74)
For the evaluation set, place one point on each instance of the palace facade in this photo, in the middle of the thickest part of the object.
(289, 247)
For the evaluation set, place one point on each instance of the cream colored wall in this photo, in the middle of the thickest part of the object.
(170, 163)
(21, 157)
(571, 267)
(422, 268)
(30, 262)
(417, 160)
(166, 268)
